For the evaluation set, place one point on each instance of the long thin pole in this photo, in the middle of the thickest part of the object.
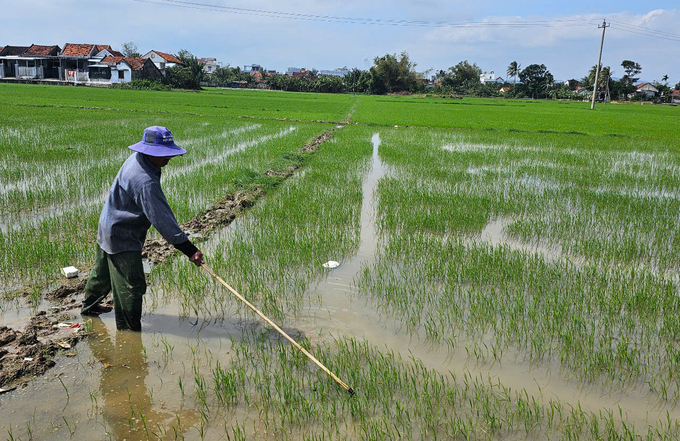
(599, 61)
(279, 330)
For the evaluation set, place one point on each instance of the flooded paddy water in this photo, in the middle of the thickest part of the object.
(169, 381)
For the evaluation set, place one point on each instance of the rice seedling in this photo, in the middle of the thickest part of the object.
(530, 265)
(49, 214)
(598, 302)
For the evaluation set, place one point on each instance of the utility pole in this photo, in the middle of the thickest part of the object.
(599, 62)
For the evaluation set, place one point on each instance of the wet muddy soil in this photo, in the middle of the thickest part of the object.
(29, 352)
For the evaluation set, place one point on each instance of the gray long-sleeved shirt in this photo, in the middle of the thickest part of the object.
(135, 202)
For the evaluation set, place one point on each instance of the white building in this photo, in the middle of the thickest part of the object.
(210, 64)
(490, 78)
(646, 90)
(162, 60)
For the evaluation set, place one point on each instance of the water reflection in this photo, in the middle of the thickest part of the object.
(129, 412)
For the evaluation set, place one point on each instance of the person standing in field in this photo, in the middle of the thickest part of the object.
(135, 202)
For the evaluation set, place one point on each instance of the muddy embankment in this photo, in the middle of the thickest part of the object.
(30, 352)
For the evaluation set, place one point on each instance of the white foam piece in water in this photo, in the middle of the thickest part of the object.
(331, 264)
(70, 272)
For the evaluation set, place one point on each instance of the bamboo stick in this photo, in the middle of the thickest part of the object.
(279, 330)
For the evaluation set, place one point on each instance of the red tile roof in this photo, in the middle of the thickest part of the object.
(676, 92)
(38, 50)
(77, 50)
(136, 63)
(168, 57)
(640, 85)
(101, 47)
(111, 60)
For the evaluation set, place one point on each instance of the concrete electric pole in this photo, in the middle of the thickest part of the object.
(599, 62)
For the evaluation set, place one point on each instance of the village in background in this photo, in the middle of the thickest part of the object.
(101, 65)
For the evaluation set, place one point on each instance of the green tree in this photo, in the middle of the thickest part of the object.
(392, 74)
(130, 50)
(465, 74)
(513, 70)
(536, 80)
(628, 81)
(677, 86)
(631, 68)
(358, 81)
(188, 75)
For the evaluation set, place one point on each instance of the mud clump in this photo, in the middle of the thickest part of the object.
(69, 288)
(314, 144)
(7, 335)
(31, 352)
(219, 215)
(30, 338)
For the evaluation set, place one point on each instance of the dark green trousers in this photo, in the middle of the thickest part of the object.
(122, 273)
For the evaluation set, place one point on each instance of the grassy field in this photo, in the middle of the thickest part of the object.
(517, 278)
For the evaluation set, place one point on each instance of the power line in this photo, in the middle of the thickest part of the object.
(645, 34)
(549, 23)
(644, 29)
(362, 20)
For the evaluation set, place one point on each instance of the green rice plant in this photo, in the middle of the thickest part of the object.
(272, 254)
(49, 214)
(599, 307)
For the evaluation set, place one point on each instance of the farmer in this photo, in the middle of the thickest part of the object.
(135, 202)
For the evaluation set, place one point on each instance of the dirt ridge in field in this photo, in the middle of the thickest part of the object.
(30, 352)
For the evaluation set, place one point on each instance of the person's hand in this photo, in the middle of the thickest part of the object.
(197, 258)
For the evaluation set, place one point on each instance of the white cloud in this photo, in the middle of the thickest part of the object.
(550, 31)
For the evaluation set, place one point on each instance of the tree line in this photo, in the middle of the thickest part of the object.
(392, 73)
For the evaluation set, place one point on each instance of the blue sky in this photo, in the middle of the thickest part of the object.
(568, 48)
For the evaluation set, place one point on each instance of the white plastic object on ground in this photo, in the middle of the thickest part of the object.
(70, 272)
(331, 264)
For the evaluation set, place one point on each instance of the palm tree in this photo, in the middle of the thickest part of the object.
(513, 70)
(665, 79)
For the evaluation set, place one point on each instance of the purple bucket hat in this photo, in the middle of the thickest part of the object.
(158, 141)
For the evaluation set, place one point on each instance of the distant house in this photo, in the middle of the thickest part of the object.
(675, 96)
(504, 89)
(29, 62)
(8, 60)
(296, 72)
(252, 69)
(210, 64)
(646, 90)
(119, 69)
(75, 60)
(336, 72)
(490, 78)
(163, 60)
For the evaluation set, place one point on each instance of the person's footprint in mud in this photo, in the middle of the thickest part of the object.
(128, 410)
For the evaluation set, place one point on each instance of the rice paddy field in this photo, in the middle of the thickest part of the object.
(508, 268)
